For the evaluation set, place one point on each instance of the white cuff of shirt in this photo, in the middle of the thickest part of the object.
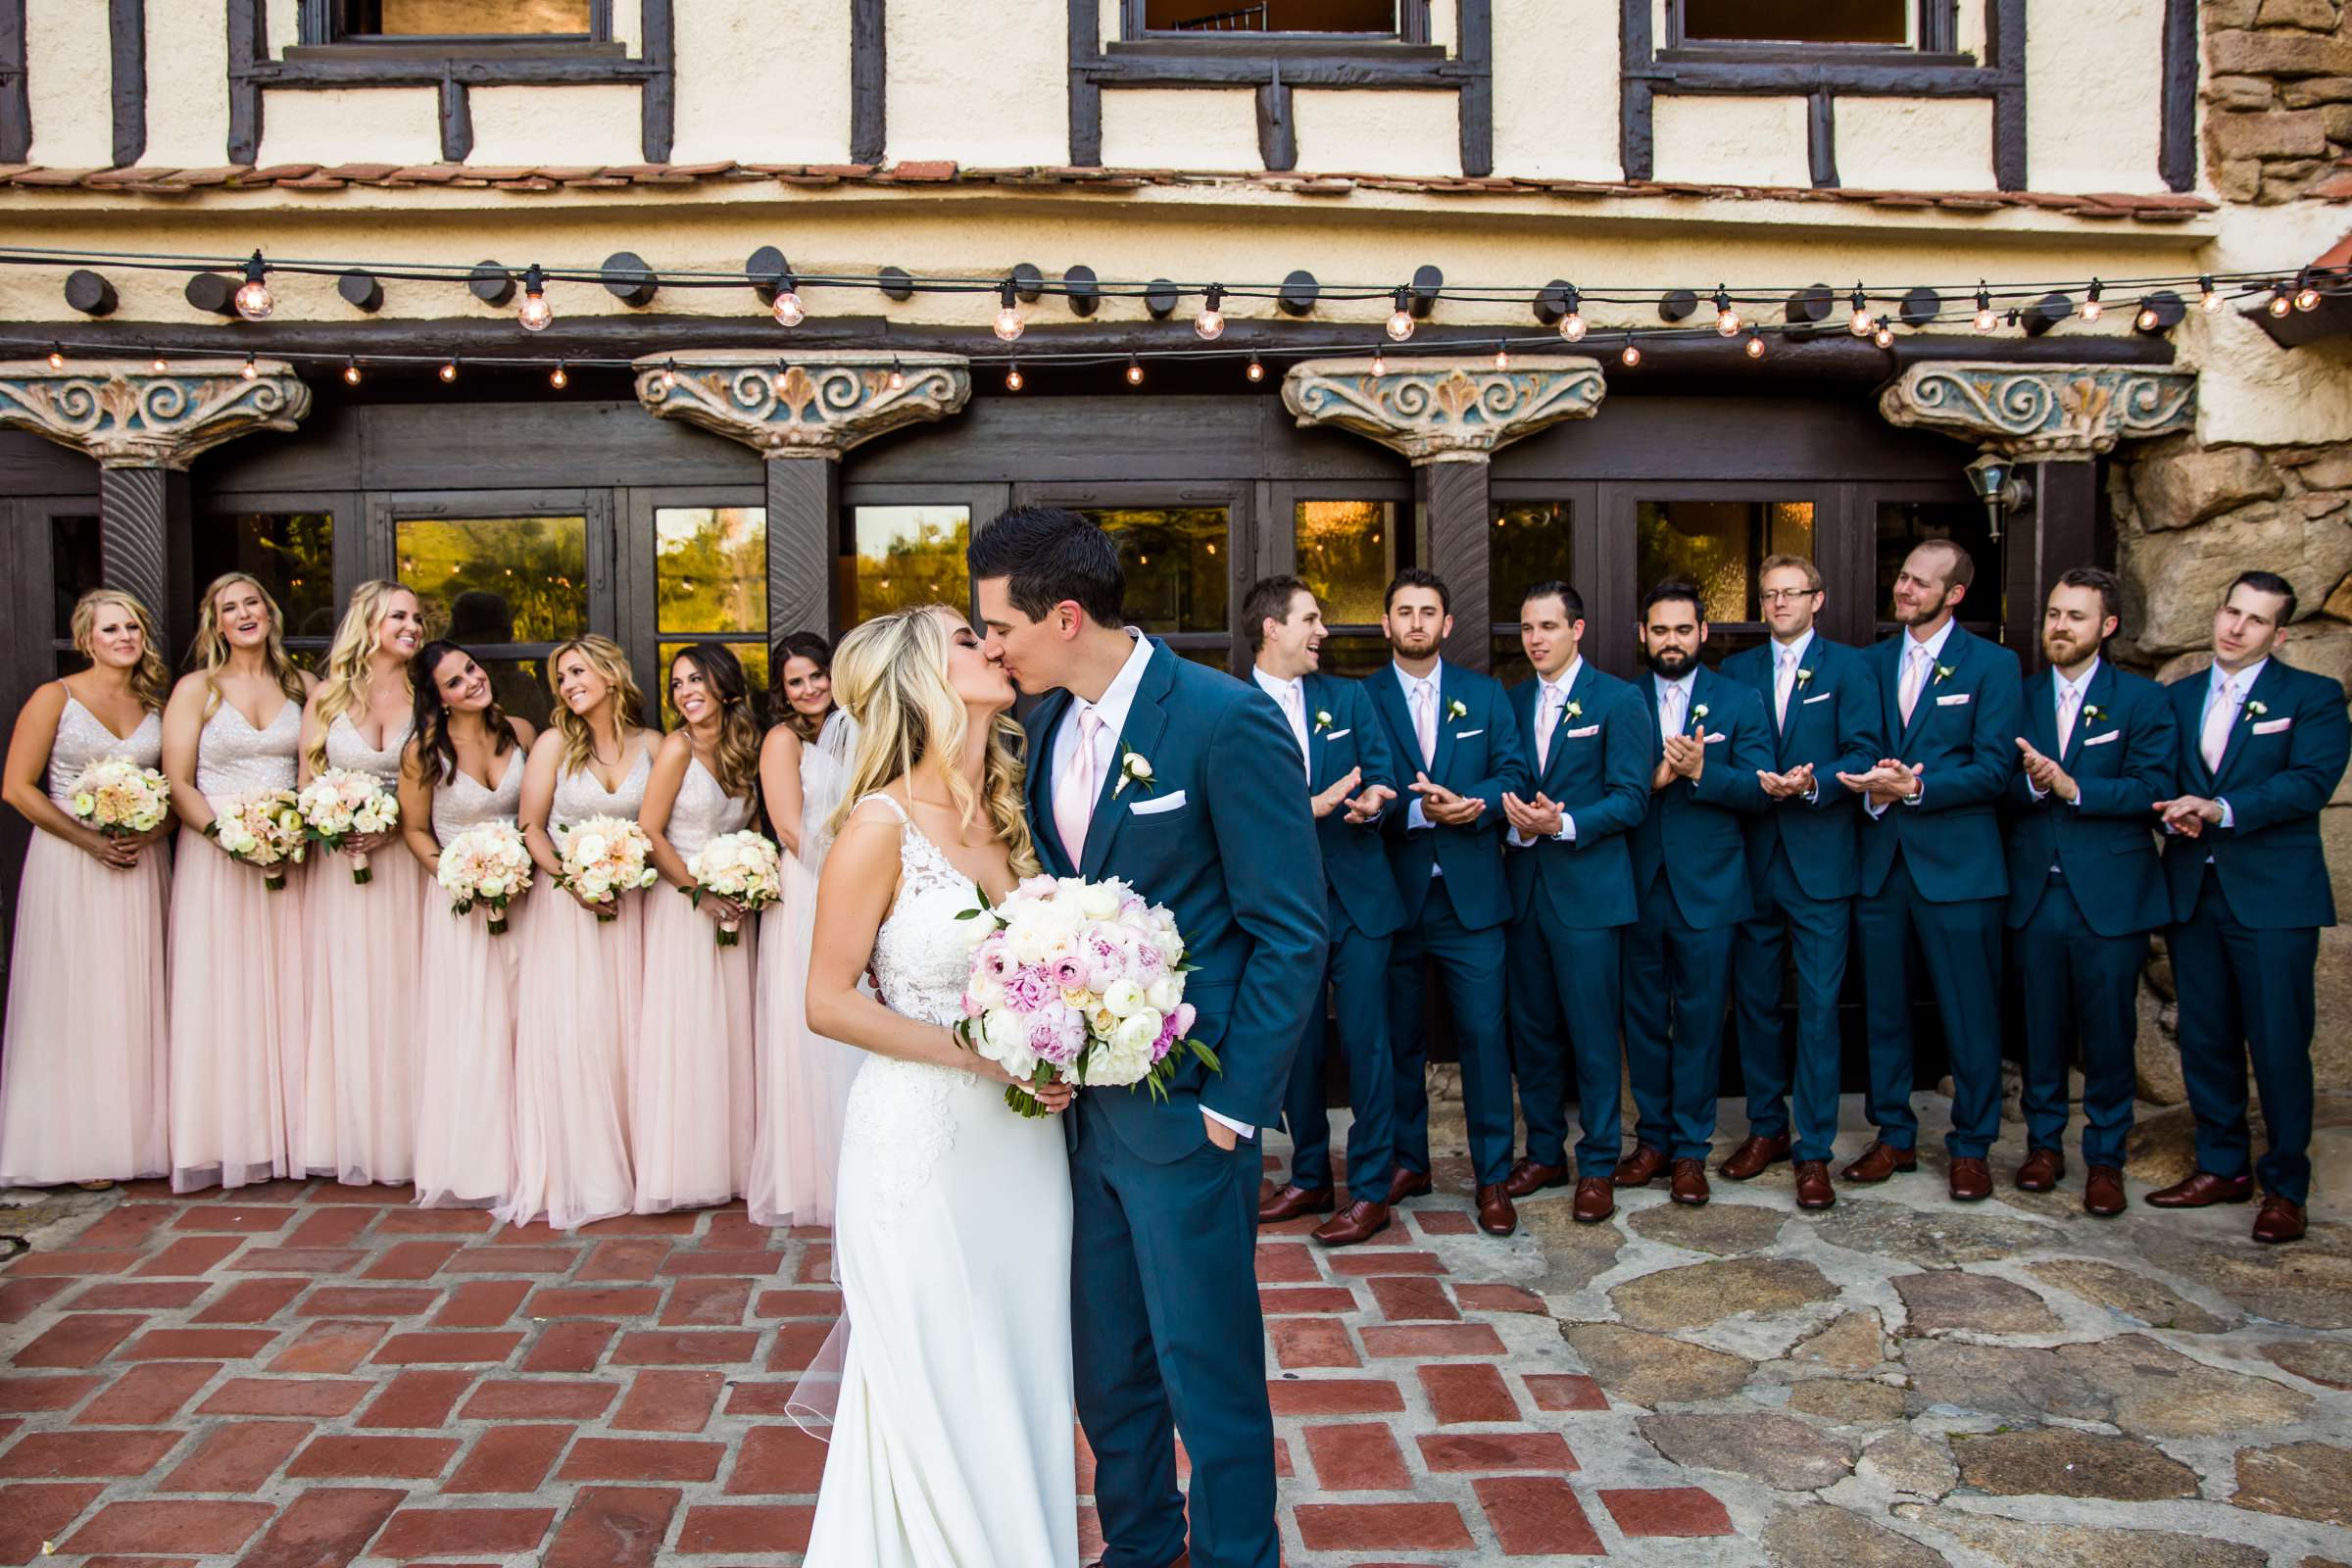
(1240, 1127)
(2229, 817)
(1567, 832)
(1414, 816)
(1918, 794)
(1876, 808)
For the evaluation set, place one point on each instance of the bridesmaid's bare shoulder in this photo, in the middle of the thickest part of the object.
(525, 735)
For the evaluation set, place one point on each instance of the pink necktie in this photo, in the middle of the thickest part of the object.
(1425, 721)
(1914, 672)
(1784, 682)
(2068, 701)
(2215, 742)
(1074, 796)
(1545, 724)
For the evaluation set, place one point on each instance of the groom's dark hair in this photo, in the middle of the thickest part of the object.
(1050, 553)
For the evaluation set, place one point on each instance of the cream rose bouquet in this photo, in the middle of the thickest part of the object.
(343, 803)
(1081, 982)
(745, 867)
(120, 799)
(485, 866)
(605, 857)
(265, 829)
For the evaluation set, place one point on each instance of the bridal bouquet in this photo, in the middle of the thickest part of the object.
(485, 865)
(743, 866)
(265, 829)
(1078, 981)
(346, 803)
(605, 857)
(120, 799)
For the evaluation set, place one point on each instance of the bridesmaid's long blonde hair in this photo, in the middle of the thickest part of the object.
(605, 657)
(209, 651)
(891, 675)
(351, 657)
(150, 678)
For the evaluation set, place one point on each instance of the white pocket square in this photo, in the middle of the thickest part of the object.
(1823, 698)
(2271, 726)
(1953, 701)
(1465, 734)
(1153, 806)
(1580, 734)
(1714, 740)
(2101, 739)
(1338, 734)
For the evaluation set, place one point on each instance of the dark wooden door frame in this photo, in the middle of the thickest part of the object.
(1240, 527)
(387, 509)
(636, 581)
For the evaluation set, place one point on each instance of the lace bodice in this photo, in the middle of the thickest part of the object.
(346, 750)
(579, 796)
(921, 958)
(703, 811)
(82, 738)
(463, 803)
(232, 758)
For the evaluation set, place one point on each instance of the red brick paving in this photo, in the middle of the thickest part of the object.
(310, 1374)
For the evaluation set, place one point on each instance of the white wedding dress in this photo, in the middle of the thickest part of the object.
(952, 1441)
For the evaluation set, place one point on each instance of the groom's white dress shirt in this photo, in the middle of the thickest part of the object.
(1110, 715)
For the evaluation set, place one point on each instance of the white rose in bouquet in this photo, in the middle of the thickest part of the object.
(343, 803)
(745, 867)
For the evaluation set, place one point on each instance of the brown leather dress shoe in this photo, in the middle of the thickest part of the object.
(1359, 1221)
(2202, 1190)
(2279, 1221)
(1813, 1189)
(1294, 1201)
(1495, 1215)
(1595, 1200)
(1971, 1179)
(1690, 1185)
(1406, 1183)
(1880, 1161)
(1527, 1178)
(1754, 1157)
(1641, 1167)
(2103, 1192)
(1184, 1560)
(2042, 1171)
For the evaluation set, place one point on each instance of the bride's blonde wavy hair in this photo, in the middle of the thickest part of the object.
(891, 675)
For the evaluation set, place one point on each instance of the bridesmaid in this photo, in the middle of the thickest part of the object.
(364, 940)
(691, 1095)
(237, 984)
(581, 990)
(82, 1060)
(463, 768)
(804, 665)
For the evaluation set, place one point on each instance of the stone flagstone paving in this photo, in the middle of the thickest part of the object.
(303, 1375)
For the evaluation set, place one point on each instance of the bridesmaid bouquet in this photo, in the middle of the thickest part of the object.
(485, 865)
(344, 803)
(605, 857)
(264, 829)
(743, 866)
(120, 799)
(1078, 980)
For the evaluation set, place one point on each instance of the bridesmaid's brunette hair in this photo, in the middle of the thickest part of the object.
(814, 649)
(150, 678)
(890, 677)
(605, 657)
(736, 758)
(434, 748)
(348, 659)
(208, 649)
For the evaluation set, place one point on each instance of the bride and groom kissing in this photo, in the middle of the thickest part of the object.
(995, 1269)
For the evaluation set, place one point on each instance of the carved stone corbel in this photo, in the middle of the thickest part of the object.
(1443, 411)
(2042, 412)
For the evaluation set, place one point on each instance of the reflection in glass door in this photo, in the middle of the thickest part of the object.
(1183, 549)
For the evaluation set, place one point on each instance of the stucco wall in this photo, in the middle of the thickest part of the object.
(1915, 143)
(187, 86)
(1176, 127)
(1555, 90)
(758, 86)
(1389, 132)
(352, 125)
(2094, 76)
(1732, 141)
(981, 88)
(68, 79)
(525, 125)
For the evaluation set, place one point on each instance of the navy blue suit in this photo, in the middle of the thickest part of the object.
(1935, 873)
(1690, 853)
(1163, 1277)
(1802, 868)
(1363, 912)
(2247, 902)
(2084, 891)
(1570, 901)
(1456, 917)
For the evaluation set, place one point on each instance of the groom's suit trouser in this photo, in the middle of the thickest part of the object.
(1165, 1322)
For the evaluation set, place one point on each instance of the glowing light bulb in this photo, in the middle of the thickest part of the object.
(1985, 320)
(351, 373)
(159, 365)
(534, 313)
(2282, 301)
(557, 378)
(1400, 320)
(57, 357)
(2209, 298)
(669, 374)
(1008, 323)
(1257, 372)
(251, 371)
(1380, 363)
(2092, 309)
(1727, 320)
(1502, 357)
(1755, 348)
(253, 300)
(1631, 356)
(1572, 328)
(1135, 370)
(788, 310)
(2307, 298)
(449, 370)
(898, 376)
(1883, 337)
(2147, 320)
(1211, 323)
(1859, 323)
(1014, 380)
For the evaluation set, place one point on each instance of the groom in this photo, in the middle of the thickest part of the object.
(1184, 783)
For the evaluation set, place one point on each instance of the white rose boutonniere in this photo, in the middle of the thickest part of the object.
(1698, 719)
(1571, 709)
(1134, 768)
(2254, 711)
(1804, 677)
(1455, 710)
(1322, 719)
(2093, 714)
(1943, 673)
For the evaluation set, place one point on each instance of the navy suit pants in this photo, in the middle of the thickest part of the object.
(2246, 992)
(2079, 990)
(1564, 1010)
(1470, 964)
(1675, 979)
(1819, 930)
(1357, 969)
(1959, 945)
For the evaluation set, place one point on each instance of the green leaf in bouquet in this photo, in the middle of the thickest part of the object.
(1207, 1057)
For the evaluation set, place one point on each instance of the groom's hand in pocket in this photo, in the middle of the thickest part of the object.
(1219, 1134)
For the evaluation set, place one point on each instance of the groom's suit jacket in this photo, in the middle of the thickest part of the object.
(1222, 836)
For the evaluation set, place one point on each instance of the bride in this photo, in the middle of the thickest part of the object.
(951, 1444)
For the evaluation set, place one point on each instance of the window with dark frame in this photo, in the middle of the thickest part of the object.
(1378, 19)
(1775, 27)
(473, 20)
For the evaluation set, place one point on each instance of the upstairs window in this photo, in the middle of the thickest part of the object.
(1762, 25)
(401, 21)
(1370, 19)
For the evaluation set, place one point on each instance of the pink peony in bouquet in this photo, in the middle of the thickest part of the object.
(605, 857)
(264, 828)
(345, 803)
(120, 799)
(743, 866)
(485, 865)
(1078, 981)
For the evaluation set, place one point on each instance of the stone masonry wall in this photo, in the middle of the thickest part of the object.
(2277, 99)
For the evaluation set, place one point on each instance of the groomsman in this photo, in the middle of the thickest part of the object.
(2085, 884)
(1454, 731)
(1933, 864)
(1572, 897)
(1801, 866)
(1708, 751)
(1351, 788)
(2263, 746)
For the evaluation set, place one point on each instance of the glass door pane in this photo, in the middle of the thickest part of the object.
(1347, 551)
(710, 586)
(1178, 564)
(899, 555)
(1718, 542)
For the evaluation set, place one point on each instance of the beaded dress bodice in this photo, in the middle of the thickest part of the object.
(82, 738)
(704, 810)
(232, 758)
(579, 796)
(345, 748)
(461, 803)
